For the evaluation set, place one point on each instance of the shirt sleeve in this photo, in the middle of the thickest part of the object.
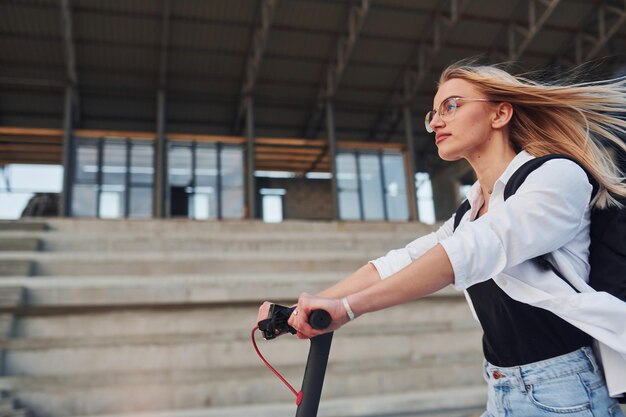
(397, 259)
(544, 214)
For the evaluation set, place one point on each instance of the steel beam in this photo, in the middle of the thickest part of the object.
(605, 29)
(585, 44)
(70, 57)
(332, 147)
(334, 72)
(519, 36)
(255, 56)
(447, 15)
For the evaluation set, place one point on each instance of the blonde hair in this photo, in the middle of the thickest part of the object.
(566, 119)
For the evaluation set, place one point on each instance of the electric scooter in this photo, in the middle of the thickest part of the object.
(308, 398)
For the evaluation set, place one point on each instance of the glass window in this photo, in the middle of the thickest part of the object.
(114, 163)
(196, 194)
(425, 204)
(395, 187)
(140, 202)
(109, 193)
(206, 167)
(371, 187)
(232, 166)
(179, 165)
(232, 182)
(84, 200)
(232, 203)
(349, 205)
(86, 163)
(347, 187)
(203, 204)
(141, 164)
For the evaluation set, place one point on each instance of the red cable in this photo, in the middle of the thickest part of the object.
(271, 368)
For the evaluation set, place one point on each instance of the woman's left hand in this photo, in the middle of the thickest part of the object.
(308, 303)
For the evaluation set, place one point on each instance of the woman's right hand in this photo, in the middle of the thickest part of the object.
(299, 320)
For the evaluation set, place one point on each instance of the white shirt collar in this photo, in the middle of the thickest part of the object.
(475, 195)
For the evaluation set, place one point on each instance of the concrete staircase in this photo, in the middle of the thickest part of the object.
(153, 318)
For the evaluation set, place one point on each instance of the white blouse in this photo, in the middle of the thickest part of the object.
(549, 213)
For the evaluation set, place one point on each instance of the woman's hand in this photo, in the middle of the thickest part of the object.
(264, 310)
(308, 303)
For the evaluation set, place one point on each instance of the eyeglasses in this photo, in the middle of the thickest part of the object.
(447, 110)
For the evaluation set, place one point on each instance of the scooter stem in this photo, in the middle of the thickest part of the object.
(314, 375)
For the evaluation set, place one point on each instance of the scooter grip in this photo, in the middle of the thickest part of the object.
(319, 319)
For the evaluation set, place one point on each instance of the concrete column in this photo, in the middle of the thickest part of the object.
(68, 147)
(332, 150)
(410, 164)
(250, 163)
(445, 194)
(445, 185)
(161, 196)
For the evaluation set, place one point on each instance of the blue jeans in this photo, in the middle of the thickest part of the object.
(569, 385)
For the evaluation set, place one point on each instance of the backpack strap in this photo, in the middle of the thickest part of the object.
(463, 208)
(519, 176)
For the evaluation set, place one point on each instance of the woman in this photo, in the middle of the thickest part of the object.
(538, 329)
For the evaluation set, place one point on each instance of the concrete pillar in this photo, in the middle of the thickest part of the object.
(161, 200)
(445, 194)
(250, 153)
(445, 184)
(410, 164)
(332, 150)
(68, 145)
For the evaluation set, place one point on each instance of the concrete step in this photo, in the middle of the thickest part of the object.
(11, 296)
(435, 313)
(9, 406)
(120, 391)
(118, 354)
(7, 323)
(99, 226)
(19, 244)
(21, 265)
(468, 402)
(163, 263)
(217, 289)
(227, 242)
(93, 342)
(199, 241)
(161, 290)
(25, 225)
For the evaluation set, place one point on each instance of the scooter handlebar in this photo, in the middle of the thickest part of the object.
(278, 317)
(319, 319)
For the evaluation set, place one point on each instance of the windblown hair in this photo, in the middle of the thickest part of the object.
(578, 120)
